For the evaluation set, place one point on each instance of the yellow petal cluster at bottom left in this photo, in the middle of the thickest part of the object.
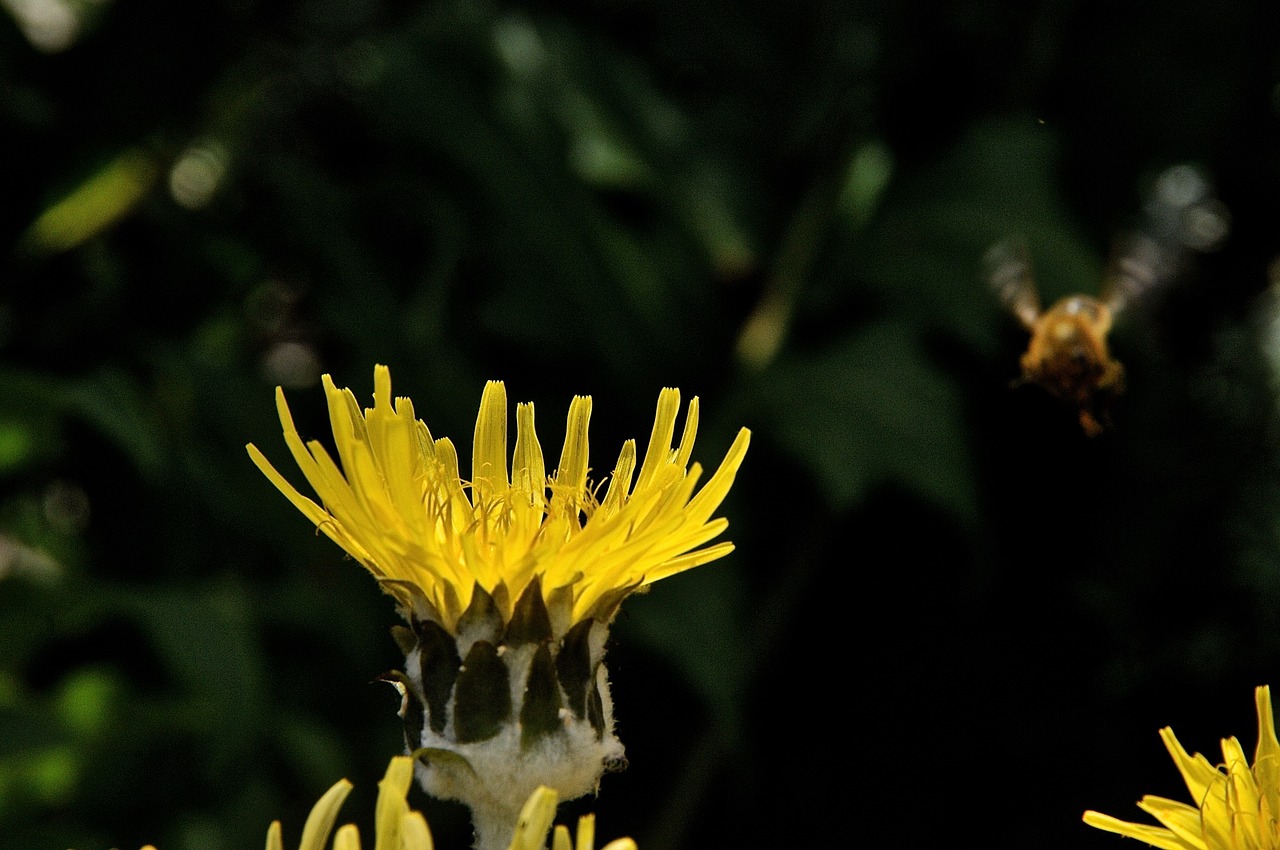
(400, 828)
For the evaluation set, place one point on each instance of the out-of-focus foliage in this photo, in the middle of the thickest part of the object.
(780, 208)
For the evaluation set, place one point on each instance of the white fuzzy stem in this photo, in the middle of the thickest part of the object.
(494, 827)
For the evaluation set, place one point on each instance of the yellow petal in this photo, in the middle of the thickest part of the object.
(571, 474)
(621, 844)
(586, 833)
(309, 509)
(1179, 818)
(685, 452)
(535, 819)
(713, 493)
(1266, 760)
(1196, 771)
(414, 834)
(348, 838)
(529, 470)
(489, 453)
(620, 481)
(392, 807)
(658, 452)
(274, 841)
(1153, 835)
(323, 815)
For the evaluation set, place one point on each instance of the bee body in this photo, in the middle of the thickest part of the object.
(1068, 356)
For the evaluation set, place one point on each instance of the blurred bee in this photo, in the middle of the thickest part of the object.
(1067, 354)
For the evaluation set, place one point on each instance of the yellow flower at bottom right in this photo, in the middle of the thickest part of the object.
(1236, 805)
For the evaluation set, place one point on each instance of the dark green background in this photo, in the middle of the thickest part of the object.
(950, 616)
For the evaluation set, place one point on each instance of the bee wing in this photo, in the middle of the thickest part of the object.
(1181, 216)
(1008, 271)
(1139, 264)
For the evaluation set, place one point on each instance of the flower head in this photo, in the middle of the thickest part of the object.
(434, 539)
(508, 578)
(1236, 805)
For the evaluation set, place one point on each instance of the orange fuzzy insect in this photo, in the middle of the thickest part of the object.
(1067, 353)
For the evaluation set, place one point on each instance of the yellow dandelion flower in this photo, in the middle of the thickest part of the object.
(508, 578)
(399, 505)
(1235, 805)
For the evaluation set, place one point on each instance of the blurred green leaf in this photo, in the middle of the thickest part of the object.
(109, 399)
(53, 774)
(86, 700)
(870, 409)
(205, 638)
(16, 444)
(108, 195)
(868, 174)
